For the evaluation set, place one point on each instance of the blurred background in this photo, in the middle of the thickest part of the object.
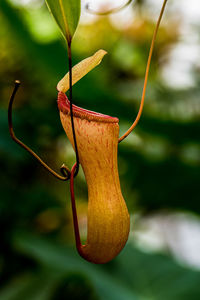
(159, 163)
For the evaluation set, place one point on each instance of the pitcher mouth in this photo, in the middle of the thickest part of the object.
(64, 107)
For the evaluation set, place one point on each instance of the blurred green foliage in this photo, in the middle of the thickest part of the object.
(158, 164)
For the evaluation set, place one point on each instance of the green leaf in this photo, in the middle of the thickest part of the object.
(133, 275)
(60, 259)
(66, 14)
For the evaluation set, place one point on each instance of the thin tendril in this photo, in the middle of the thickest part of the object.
(108, 12)
(146, 75)
(65, 171)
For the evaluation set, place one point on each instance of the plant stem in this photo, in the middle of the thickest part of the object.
(71, 108)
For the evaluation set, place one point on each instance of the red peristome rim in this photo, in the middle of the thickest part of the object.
(64, 107)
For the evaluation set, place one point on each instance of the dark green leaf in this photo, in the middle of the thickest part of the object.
(64, 260)
(66, 14)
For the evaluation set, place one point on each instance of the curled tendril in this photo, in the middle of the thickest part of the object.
(107, 12)
(64, 170)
